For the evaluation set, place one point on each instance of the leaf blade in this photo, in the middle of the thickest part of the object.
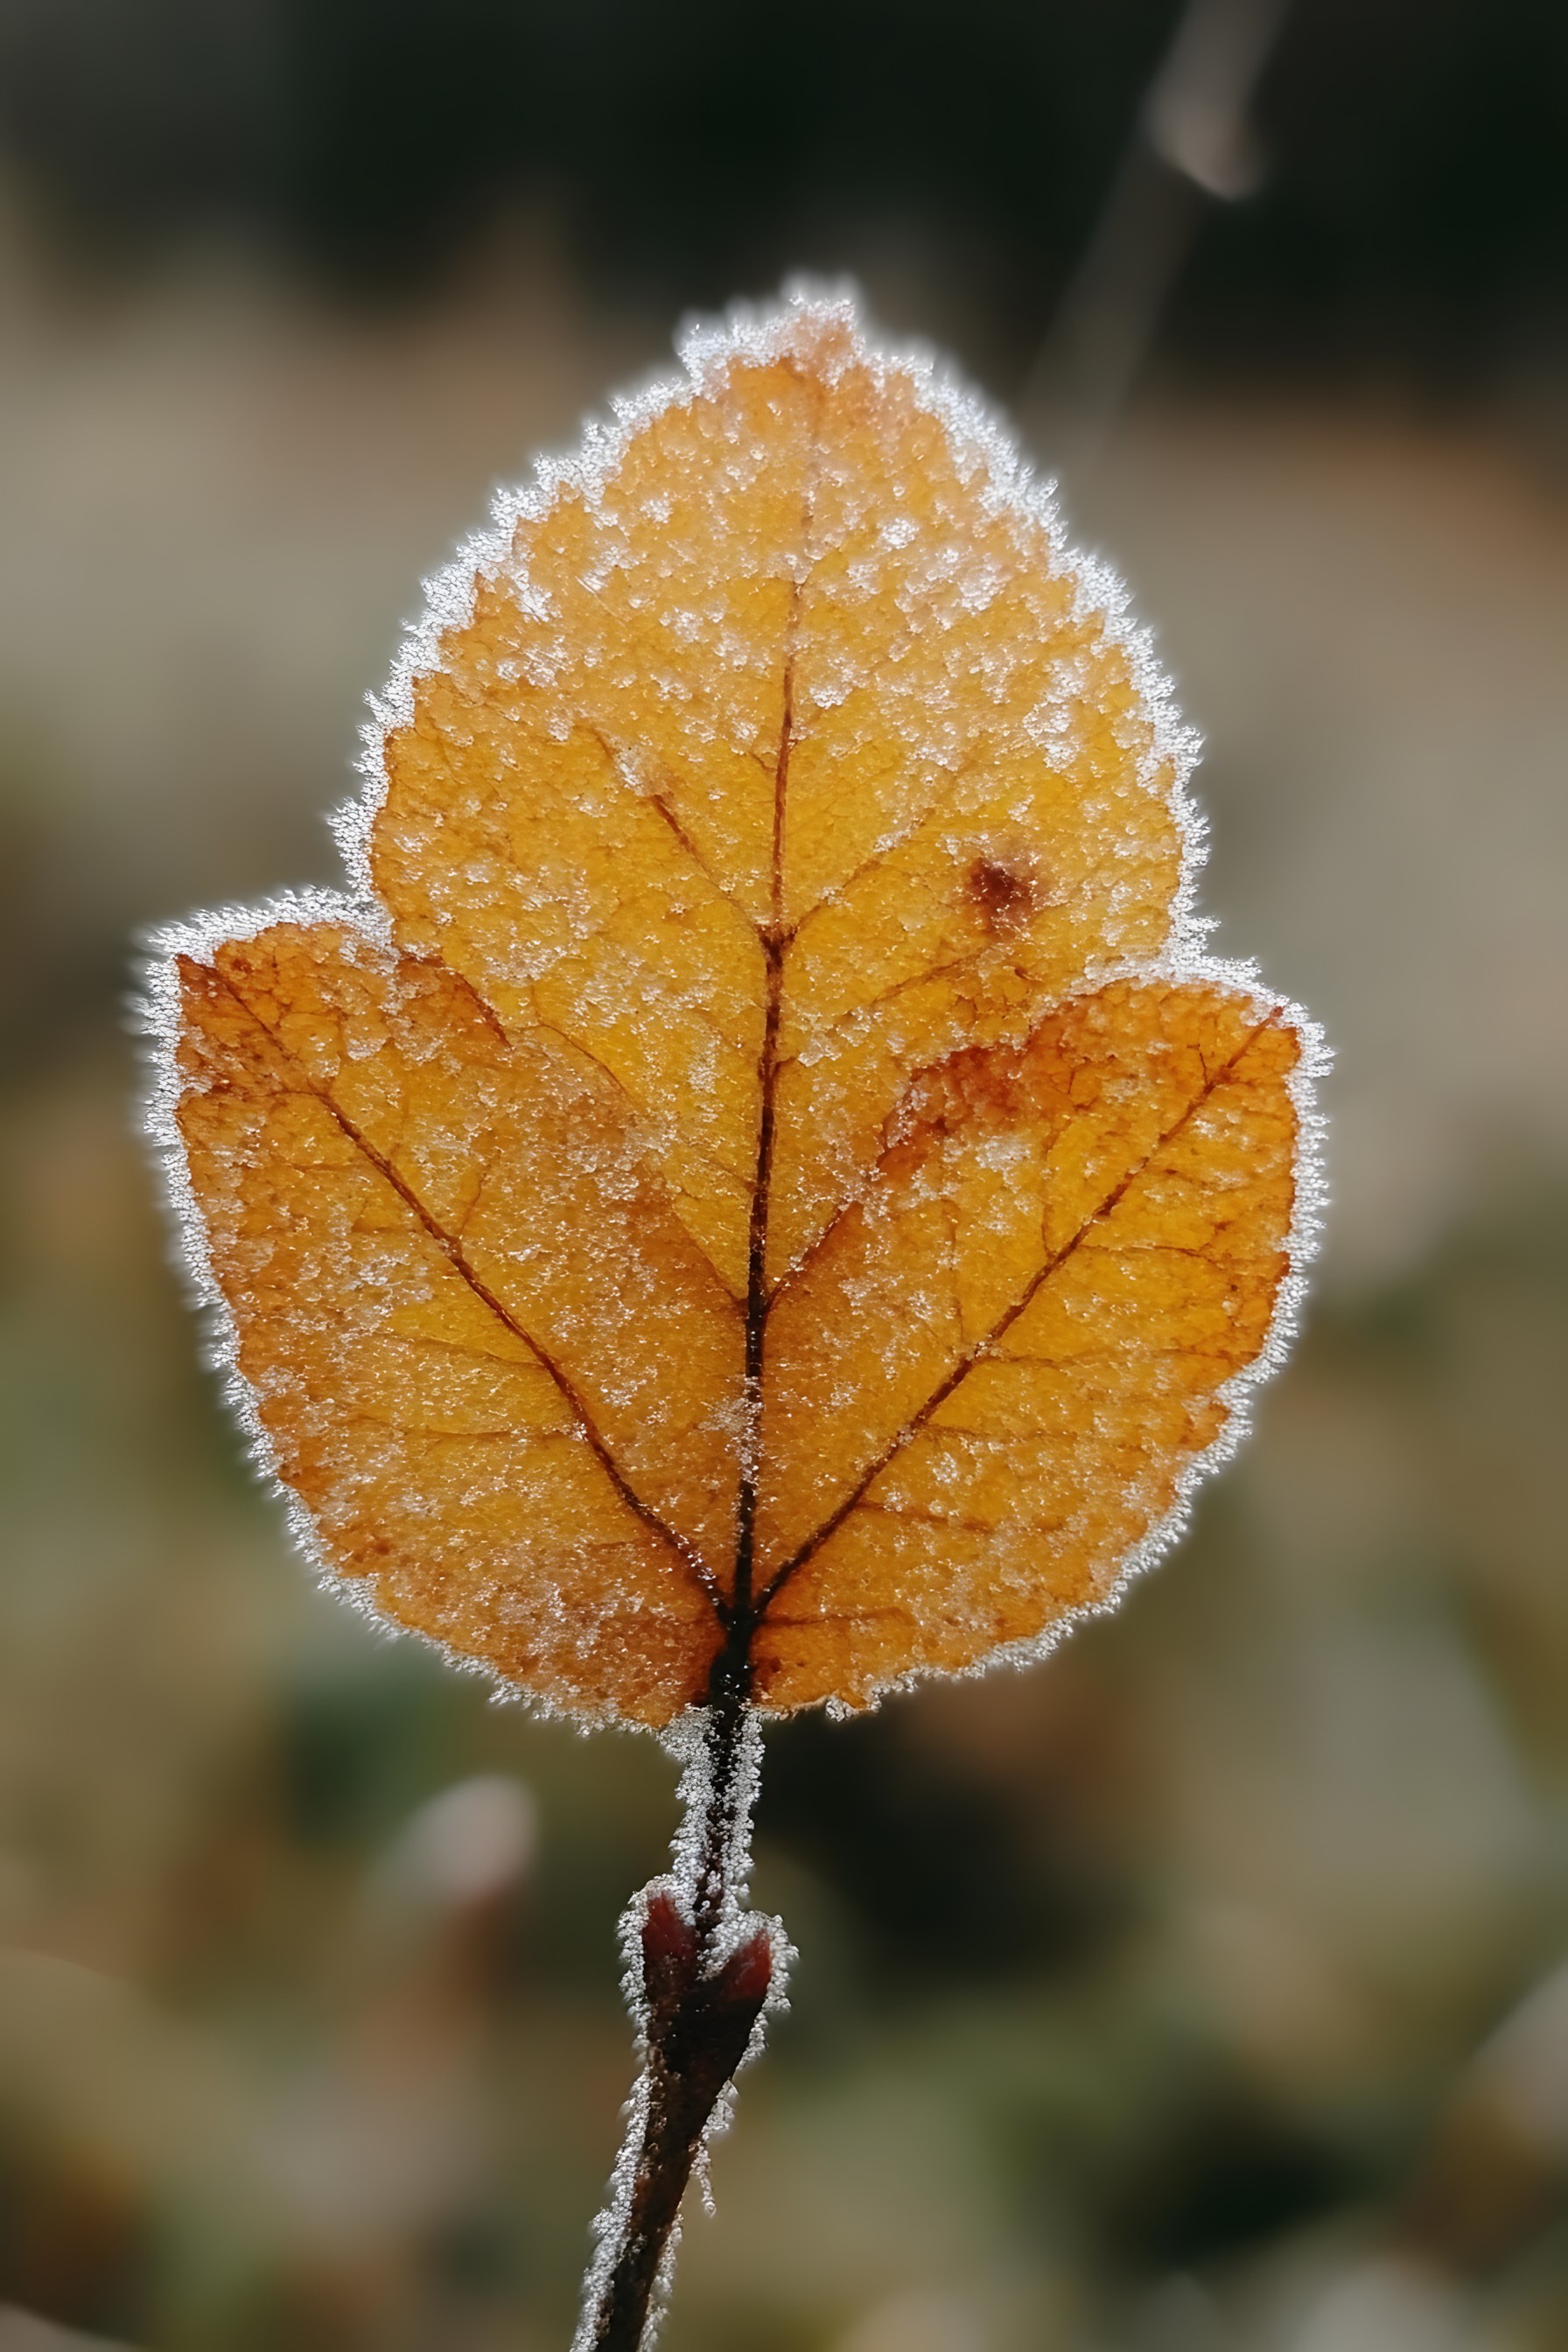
(772, 773)
(358, 1128)
(1080, 1331)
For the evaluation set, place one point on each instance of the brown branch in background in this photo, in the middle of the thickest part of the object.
(1190, 141)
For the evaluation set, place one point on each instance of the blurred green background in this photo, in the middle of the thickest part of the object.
(1204, 1990)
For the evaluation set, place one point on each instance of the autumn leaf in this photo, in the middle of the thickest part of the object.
(757, 1192)
(758, 1178)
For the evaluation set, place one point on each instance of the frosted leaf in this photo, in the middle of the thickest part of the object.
(760, 1138)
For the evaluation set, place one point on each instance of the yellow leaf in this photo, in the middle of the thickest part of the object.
(986, 1381)
(480, 1420)
(761, 1163)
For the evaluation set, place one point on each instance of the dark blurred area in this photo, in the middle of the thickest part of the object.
(1202, 1991)
(1414, 209)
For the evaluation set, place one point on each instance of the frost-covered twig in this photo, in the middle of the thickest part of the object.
(700, 1973)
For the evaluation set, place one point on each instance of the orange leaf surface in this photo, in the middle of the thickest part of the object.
(760, 1163)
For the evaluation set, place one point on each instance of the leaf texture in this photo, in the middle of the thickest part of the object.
(986, 1381)
(762, 1165)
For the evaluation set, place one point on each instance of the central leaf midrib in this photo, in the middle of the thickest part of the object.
(743, 1616)
(757, 1300)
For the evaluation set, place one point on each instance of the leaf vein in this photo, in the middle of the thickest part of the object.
(982, 1350)
(453, 1252)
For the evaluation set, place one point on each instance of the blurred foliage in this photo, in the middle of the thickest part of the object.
(1202, 1991)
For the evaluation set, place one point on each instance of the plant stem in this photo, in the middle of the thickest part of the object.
(704, 1981)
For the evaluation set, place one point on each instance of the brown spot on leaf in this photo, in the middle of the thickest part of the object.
(1005, 894)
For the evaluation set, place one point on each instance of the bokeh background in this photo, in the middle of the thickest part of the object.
(1205, 1990)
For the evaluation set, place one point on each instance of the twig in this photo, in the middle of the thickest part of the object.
(700, 1972)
